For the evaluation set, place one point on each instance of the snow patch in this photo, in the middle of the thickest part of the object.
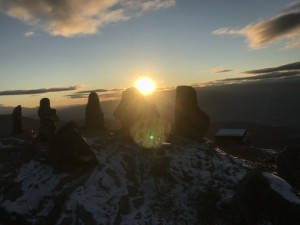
(10, 142)
(282, 187)
(37, 182)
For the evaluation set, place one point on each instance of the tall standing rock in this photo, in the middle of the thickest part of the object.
(134, 109)
(48, 118)
(190, 121)
(17, 120)
(93, 113)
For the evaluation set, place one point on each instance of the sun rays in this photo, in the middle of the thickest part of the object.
(145, 85)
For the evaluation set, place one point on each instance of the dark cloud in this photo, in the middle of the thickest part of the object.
(117, 89)
(111, 95)
(271, 75)
(284, 71)
(102, 93)
(164, 88)
(287, 73)
(287, 67)
(37, 91)
(89, 91)
(285, 26)
(76, 96)
(81, 17)
(222, 71)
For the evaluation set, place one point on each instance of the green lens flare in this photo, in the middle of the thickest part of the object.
(150, 134)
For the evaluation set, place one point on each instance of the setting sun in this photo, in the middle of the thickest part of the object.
(145, 85)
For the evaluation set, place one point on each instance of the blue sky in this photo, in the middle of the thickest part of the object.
(57, 49)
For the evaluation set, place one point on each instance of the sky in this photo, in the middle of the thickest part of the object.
(64, 49)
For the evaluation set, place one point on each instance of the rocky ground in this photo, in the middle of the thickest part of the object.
(182, 182)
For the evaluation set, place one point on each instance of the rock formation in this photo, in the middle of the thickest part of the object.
(264, 198)
(68, 148)
(93, 113)
(288, 165)
(190, 121)
(48, 118)
(134, 109)
(17, 120)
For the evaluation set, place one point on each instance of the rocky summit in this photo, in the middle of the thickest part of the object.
(182, 182)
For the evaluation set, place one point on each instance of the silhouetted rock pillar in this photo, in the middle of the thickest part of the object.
(134, 109)
(17, 120)
(93, 113)
(190, 121)
(48, 118)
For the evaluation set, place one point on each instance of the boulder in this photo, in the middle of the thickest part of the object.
(133, 109)
(48, 118)
(264, 198)
(93, 113)
(17, 120)
(190, 121)
(68, 148)
(288, 165)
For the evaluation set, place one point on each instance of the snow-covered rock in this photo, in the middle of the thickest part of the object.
(288, 165)
(265, 198)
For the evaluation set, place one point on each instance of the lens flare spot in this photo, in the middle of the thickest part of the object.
(150, 134)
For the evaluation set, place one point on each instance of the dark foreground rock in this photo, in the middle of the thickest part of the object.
(288, 165)
(181, 184)
(190, 120)
(68, 148)
(264, 198)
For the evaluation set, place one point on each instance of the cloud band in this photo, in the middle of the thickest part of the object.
(285, 26)
(37, 91)
(81, 17)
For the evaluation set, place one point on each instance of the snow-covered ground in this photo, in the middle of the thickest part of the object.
(131, 185)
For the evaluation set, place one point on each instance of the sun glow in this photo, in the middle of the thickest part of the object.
(145, 85)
